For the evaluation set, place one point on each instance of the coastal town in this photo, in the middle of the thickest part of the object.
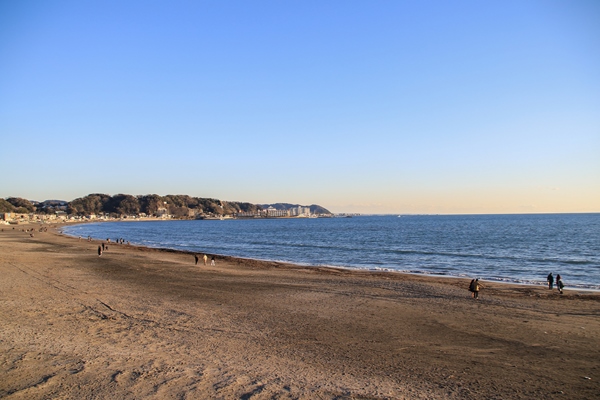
(124, 207)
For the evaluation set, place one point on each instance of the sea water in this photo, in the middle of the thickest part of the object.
(507, 248)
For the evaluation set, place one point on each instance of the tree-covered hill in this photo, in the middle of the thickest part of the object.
(179, 206)
(175, 205)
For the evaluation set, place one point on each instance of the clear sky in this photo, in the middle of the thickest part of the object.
(396, 106)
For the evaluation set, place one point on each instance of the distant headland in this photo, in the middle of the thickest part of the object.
(152, 206)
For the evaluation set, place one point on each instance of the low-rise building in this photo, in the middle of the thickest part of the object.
(272, 212)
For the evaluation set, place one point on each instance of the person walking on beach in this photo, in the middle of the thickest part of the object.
(476, 287)
(472, 288)
(99, 251)
(559, 284)
(205, 259)
(212, 260)
(550, 281)
(196, 259)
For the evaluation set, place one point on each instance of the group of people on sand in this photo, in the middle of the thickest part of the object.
(475, 285)
(559, 283)
(117, 241)
(104, 247)
(205, 258)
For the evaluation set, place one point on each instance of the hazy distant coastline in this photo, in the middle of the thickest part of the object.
(104, 206)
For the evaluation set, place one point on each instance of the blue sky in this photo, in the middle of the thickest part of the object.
(359, 106)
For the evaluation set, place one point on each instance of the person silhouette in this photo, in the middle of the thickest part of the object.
(559, 284)
(550, 280)
(476, 287)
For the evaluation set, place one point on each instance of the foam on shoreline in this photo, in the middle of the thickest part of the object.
(345, 269)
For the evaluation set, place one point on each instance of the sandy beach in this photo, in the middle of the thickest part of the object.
(142, 323)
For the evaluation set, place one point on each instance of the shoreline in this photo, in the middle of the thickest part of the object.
(542, 284)
(140, 322)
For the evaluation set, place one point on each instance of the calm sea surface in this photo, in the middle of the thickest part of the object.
(509, 248)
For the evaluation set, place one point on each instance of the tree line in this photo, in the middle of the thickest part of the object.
(125, 204)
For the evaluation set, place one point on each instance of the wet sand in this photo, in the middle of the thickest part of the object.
(143, 323)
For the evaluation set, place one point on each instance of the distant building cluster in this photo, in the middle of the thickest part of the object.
(272, 212)
(21, 218)
(291, 212)
(11, 218)
(162, 212)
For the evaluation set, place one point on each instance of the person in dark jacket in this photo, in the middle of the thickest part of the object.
(472, 288)
(559, 284)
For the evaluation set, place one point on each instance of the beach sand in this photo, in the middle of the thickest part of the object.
(142, 323)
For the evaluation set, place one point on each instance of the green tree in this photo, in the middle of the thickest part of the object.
(5, 206)
(125, 204)
(150, 203)
(248, 207)
(179, 212)
(22, 204)
(90, 204)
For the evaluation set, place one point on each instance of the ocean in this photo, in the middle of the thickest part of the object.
(504, 248)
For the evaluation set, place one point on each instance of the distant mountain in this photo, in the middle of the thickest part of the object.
(314, 208)
(24, 206)
(54, 203)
